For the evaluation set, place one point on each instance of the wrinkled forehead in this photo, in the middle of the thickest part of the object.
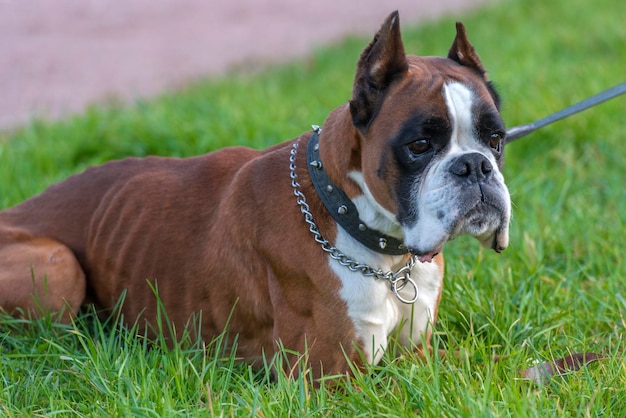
(422, 90)
(431, 73)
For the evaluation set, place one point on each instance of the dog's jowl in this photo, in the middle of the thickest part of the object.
(329, 243)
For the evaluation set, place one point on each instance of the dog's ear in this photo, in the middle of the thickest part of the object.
(380, 63)
(463, 52)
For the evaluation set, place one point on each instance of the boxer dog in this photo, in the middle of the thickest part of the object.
(326, 245)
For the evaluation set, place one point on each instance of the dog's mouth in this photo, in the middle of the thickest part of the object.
(488, 223)
(485, 222)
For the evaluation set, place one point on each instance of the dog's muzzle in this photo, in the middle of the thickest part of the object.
(463, 194)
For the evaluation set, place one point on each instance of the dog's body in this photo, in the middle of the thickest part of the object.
(417, 151)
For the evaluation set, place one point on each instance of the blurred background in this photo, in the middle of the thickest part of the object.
(56, 57)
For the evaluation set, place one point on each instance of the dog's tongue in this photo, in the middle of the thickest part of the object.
(428, 257)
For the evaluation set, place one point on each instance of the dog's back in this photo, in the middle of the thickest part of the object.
(65, 210)
(104, 216)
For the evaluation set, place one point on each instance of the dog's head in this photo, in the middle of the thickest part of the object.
(430, 144)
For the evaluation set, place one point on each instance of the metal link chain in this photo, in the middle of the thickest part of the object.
(398, 280)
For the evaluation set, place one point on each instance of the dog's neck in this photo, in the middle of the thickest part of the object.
(342, 208)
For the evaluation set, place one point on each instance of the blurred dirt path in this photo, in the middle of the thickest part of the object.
(58, 56)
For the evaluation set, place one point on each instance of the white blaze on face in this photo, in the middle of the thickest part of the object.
(459, 102)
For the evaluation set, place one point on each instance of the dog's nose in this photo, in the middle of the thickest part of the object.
(474, 167)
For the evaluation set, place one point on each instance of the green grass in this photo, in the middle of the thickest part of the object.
(558, 288)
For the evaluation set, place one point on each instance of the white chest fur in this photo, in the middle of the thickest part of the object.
(375, 311)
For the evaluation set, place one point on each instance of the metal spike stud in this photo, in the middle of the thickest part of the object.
(382, 243)
(316, 128)
(342, 210)
(316, 164)
(329, 188)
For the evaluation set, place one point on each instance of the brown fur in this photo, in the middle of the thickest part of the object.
(220, 233)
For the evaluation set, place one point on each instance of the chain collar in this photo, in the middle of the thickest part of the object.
(398, 279)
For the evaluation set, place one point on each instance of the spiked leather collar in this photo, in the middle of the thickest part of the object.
(341, 207)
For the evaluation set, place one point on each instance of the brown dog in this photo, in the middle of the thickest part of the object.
(328, 243)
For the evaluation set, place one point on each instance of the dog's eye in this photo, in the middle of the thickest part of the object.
(419, 147)
(495, 141)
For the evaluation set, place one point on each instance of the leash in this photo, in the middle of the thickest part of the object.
(523, 130)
